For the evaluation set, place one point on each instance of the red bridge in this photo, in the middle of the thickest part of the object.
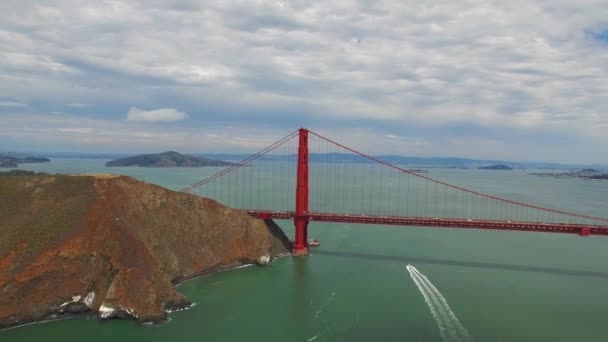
(334, 183)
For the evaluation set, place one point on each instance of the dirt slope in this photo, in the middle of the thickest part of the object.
(114, 245)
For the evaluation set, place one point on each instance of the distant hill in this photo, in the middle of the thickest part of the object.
(585, 174)
(167, 159)
(500, 167)
(12, 159)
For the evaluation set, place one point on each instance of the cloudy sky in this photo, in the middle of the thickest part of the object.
(519, 80)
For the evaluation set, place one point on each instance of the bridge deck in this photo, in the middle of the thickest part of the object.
(439, 222)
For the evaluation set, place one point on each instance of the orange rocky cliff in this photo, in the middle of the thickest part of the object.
(114, 246)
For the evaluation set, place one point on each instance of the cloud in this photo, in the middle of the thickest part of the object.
(77, 130)
(12, 104)
(77, 105)
(156, 115)
(66, 132)
(447, 74)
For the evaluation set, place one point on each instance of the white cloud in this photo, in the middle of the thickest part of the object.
(77, 130)
(74, 133)
(156, 115)
(77, 105)
(12, 104)
(528, 68)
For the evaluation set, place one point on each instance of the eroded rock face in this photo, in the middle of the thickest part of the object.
(114, 246)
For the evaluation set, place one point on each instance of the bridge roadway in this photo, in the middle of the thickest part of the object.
(579, 229)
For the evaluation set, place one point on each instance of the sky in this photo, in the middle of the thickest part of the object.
(511, 80)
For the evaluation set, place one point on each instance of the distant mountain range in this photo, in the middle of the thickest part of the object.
(167, 159)
(440, 162)
(429, 162)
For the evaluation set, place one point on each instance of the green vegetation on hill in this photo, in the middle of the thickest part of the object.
(41, 208)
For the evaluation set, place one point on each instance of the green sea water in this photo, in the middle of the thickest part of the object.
(500, 286)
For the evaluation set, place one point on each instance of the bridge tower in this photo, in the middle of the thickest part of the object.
(300, 245)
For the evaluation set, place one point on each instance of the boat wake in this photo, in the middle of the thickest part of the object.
(450, 327)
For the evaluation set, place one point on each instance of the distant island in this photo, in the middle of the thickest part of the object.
(167, 159)
(415, 171)
(496, 167)
(585, 174)
(13, 159)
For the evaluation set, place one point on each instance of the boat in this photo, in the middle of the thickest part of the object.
(314, 243)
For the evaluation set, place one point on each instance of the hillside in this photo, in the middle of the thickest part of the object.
(499, 167)
(167, 159)
(114, 246)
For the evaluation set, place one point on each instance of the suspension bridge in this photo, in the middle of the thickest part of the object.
(306, 177)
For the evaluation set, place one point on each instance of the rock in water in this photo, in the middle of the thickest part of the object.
(114, 246)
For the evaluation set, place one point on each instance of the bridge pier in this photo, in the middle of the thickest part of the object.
(300, 245)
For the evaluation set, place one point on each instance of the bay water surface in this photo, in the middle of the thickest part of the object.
(461, 285)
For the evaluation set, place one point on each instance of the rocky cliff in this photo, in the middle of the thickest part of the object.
(114, 246)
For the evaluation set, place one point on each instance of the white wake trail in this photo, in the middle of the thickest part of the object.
(450, 327)
(431, 303)
(446, 326)
(455, 329)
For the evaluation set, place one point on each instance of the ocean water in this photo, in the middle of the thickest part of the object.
(385, 283)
